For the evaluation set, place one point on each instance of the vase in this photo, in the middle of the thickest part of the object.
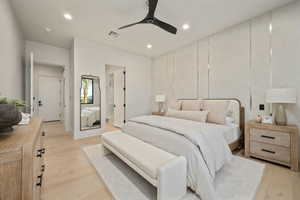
(9, 116)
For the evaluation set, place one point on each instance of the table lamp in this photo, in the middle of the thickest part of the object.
(281, 96)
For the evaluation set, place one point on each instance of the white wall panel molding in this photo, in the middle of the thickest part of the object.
(203, 62)
(286, 57)
(163, 73)
(286, 54)
(186, 74)
(245, 53)
(230, 71)
(260, 61)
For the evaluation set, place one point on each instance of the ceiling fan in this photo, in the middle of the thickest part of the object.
(151, 19)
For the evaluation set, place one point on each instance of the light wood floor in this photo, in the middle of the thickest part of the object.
(69, 176)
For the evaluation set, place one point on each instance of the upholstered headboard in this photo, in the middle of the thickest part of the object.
(233, 108)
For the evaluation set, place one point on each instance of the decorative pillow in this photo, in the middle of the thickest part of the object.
(198, 116)
(217, 111)
(175, 105)
(192, 105)
(229, 121)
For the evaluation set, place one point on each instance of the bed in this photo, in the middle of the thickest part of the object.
(231, 108)
(90, 116)
(205, 145)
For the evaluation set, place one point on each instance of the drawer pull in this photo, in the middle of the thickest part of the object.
(43, 168)
(268, 137)
(40, 180)
(40, 152)
(268, 151)
(43, 133)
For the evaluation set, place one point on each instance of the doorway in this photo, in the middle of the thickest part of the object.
(48, 92)
(115, 96)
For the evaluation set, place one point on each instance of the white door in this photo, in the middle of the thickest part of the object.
(49, 99)
(119, 104)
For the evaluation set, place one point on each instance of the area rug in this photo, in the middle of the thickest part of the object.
(238, 180)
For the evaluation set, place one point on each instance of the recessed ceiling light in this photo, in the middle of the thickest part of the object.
(47, 29)
(68, 16)
(149, 46)
(185, 26)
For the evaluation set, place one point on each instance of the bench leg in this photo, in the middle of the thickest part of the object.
(172, 180)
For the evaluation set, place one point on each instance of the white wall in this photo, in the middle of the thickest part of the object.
(91, 58)
(11, 54)
(237, 63)
(53, 56)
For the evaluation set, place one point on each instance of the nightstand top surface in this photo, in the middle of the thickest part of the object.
(158, 113)
(290, 127)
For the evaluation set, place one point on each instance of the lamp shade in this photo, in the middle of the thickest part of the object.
(160, 98)
(282, 95)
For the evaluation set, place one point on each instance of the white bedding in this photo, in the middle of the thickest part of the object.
(200, 143)
(232, 134)
(89, 115)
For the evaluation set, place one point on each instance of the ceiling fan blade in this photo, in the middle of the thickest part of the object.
(165, 26)
(129, 25)
(152, 7)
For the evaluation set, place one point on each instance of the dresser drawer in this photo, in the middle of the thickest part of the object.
(270, 151)
(270, 137)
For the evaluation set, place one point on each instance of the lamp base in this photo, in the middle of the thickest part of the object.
(160, 107)
(280, 116)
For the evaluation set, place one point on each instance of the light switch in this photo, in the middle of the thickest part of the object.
(261, 107)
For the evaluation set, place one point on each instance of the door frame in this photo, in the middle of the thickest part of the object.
(124, 89)
(124, 94)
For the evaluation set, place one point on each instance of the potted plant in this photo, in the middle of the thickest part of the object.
(10, 114)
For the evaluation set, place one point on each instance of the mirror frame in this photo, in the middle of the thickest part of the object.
(97, 78)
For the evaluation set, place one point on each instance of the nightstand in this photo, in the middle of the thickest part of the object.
(159, 113)
(273, 143)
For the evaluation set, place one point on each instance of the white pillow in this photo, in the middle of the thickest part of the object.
(198, 116)
(217, 111)
(192, 105)
(175, 105)
(229, 121)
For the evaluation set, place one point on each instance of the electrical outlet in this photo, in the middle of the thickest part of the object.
(261, 107)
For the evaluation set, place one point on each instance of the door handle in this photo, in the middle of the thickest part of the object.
(40, 103)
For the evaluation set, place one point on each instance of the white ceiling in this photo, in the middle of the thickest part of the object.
(94, 19)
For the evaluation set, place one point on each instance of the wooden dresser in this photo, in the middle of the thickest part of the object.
(273, 143)
(21, 162)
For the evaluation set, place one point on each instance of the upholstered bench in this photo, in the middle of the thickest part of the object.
(163, 170)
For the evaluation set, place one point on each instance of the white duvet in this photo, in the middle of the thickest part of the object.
(89, 116)
(202, 144)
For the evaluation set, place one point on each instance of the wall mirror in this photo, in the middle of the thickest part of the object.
(90, 103)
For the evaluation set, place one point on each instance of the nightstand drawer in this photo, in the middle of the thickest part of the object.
(270, 137)
(270, 151)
